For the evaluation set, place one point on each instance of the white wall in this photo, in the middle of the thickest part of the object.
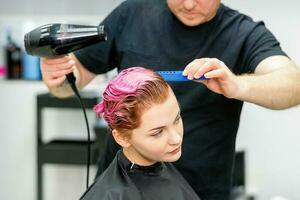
(269, 137)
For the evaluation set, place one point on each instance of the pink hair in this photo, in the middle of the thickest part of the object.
(128, 94)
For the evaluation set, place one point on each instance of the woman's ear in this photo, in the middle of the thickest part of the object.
(121, 138)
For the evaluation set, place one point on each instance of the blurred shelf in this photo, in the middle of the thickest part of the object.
(66, 151)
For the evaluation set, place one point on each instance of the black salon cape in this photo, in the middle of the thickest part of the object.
(123, 180)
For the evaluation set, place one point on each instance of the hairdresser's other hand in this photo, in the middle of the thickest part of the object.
(219, 78)
(54, 70)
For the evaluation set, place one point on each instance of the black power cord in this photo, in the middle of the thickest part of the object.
(71, 79)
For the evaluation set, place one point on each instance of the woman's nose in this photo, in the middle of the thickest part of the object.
(175, 137)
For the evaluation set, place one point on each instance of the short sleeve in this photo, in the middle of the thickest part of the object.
(259, 44)
(102, 57)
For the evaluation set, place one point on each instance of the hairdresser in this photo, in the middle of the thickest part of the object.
(242, 60)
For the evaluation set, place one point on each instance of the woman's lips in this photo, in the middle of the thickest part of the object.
(175, 150)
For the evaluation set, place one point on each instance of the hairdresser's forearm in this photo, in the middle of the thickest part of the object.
(276, 90)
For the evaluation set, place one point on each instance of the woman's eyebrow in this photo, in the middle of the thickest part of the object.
(177, 116)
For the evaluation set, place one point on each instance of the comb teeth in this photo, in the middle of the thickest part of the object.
(176, 76)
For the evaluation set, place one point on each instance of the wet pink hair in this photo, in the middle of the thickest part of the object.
(126, 96)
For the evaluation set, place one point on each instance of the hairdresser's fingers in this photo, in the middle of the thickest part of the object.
(192, 67)
(56, 79)
(189, 68)
(56, 82)
(58, 67)
(56, 60)
(218, 73)
(47, 68)
(222, 81)
(60, 73)
(208, 66)
(51, 74)
(49, 65)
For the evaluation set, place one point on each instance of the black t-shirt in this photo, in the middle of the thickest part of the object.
(123, 180)
(145, 33)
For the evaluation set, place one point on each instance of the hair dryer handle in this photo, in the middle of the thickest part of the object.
(71, 78)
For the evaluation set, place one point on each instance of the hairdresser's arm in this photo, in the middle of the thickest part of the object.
(275, 83)
(54, 71)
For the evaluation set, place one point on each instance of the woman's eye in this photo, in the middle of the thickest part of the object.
(157, 133)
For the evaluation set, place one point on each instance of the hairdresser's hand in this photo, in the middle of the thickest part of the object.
(220, 79)
(54, 70)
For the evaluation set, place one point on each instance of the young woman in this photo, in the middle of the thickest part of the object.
(144, 117)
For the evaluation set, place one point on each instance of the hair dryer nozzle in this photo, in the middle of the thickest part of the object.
(59, 39)
(36, 44)
(27, 43)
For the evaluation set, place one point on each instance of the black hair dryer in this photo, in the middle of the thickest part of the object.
(60, 39)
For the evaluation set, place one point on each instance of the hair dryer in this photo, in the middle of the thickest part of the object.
(59, 39)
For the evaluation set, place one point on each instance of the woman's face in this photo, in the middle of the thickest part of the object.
(159, 137)
(194, 12)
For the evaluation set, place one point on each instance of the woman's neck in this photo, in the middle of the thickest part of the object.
(133, 156)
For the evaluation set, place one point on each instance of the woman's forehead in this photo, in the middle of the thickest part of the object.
(160, 114)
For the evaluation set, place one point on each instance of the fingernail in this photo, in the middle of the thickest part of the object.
(71, 62)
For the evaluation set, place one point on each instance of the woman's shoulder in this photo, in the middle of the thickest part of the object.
(112, 184)
(101, 186)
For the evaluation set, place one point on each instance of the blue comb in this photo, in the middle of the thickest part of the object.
(176, 76)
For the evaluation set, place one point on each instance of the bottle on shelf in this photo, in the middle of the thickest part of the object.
(31, 67)
(13, 58)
